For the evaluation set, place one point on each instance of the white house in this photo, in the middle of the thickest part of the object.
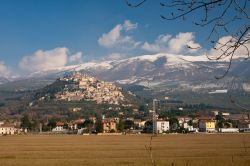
(161, 126)
(189, 128)
(7, 129)
(183, 120)
(59, 127)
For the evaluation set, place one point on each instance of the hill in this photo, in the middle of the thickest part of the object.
(79, 87)
(157, 76)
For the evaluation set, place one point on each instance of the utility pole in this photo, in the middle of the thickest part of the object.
(41, 127)
(154, 117)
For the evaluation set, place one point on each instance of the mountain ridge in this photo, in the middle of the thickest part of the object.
(154, 70)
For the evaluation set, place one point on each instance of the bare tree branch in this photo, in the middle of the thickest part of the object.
(228, 12)
(191, 9)
(135, 5)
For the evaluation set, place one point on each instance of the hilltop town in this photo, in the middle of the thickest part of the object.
(78, 87)
(81, 104)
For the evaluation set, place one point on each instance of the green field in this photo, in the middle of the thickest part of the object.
(182, 150)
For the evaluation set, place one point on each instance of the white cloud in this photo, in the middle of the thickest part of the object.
(4, 71)
(46, 60)
(115, 38)
(169, 44)
(76, 57)
(128, 25)
(111, 38)
(228, 41)
(160, 44)
(179, 43)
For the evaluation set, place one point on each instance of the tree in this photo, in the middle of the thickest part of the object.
(65, 126)
(227, 125)
(232, 122)
(190, 123)
(128, 124)
(89, 124)
(174, 123)
(219, 124)
(21, 108)
(220, 120)
(148, 128)
(35, 124)
(219, 117)
(98, 125)
(52, 123)
(142, 108)
(45, 127)
(121, 126)
(25, 122)
(80, 125)
(219, 16)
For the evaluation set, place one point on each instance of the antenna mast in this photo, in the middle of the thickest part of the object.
(154, 117)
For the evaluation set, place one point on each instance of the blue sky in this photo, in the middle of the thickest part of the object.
(81, 30)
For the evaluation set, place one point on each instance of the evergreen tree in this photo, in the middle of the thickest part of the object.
(25, 122)
(121, 126)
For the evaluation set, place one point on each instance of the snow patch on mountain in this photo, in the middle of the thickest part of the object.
(150, 83)
(172, 61)
(127, 81)
(246, 87)
(83, 66)
(95, 65)
(171, 58)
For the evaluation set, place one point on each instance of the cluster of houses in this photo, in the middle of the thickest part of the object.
(72, 125)
(7, 128)
(185, 124)
(83, 87)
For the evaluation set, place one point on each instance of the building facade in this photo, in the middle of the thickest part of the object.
(59, 127)
(109, 125)
(161, 126)
(6, 129)
(207, 125)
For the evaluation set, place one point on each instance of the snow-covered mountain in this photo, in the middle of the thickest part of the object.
(192, 72)
(146, 68)
(8, 78)
(134, 67)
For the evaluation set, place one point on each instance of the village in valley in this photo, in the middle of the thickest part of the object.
(125, 83)
(80, 87)
(217, 123)
(156, 118)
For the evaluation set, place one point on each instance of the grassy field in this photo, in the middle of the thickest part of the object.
(172, 150)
